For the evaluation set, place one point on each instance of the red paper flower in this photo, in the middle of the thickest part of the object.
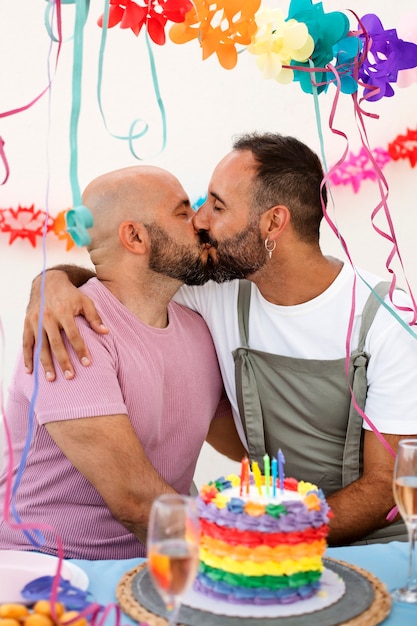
(404, 147)
(25, 223)
(155, 14)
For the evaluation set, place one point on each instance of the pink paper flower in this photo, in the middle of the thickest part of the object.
(359, 167)
(407, 30)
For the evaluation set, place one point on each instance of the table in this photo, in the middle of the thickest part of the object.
(388, 562)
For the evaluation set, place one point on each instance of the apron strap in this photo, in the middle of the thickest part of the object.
(248, 396)
(353, 451)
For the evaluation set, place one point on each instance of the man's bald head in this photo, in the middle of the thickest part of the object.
(143, 226)
(128, 194)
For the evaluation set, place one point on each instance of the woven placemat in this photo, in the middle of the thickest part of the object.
(376, 612)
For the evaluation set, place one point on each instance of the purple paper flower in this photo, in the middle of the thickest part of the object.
(387, 54)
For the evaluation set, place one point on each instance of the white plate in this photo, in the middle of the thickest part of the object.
(18, 568)
(332, 588)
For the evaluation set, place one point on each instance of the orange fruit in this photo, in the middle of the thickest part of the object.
(69, 616)
(9, 621)
(44, 607)
(13, 611)
(37, 619)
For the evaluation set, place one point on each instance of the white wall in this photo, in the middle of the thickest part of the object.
(205, 106)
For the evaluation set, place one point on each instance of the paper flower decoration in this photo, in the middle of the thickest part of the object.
(78, 220)
(277, 42)
(219, 26)
(155, 13)
(326, 29)
(359, 167)
(404, 147)
(387, 55)
(347, 52)
(407, 30)
(59, 229)
(25, 223)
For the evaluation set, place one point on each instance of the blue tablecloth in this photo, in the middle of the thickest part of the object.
(388, 562)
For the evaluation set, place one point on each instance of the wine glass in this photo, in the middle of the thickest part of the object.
(405, 495)
(173, 548)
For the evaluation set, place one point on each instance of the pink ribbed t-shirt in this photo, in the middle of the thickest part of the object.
(168, 382)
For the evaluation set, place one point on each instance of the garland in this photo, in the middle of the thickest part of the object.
(310, 46)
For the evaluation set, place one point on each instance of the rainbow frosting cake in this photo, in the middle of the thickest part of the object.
(261, 548)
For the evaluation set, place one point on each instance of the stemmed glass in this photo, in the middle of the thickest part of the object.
(405, 495)
(173, 549)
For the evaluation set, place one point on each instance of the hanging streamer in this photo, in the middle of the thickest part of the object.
(79, 218)
(108, 20)
(25, 107)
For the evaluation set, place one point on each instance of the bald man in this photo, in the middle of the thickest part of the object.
(130, 427)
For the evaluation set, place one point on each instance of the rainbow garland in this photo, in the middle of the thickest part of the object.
(308, 45)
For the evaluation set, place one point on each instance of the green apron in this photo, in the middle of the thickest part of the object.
(304, 407)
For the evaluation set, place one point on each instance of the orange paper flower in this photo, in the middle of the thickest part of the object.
(60, 230)
(219, 27)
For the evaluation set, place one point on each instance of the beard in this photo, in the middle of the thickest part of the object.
(238, 256)
(175, 260)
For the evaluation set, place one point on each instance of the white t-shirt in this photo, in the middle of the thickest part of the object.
(318, 329)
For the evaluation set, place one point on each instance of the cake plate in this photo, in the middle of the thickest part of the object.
(366, 602)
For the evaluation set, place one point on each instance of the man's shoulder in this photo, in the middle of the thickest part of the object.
(202, 296)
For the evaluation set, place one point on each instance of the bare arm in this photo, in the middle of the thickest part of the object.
(224, 438)
(108, 453)
(362, 506)
(62, 302)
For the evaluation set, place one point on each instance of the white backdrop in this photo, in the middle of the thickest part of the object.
(205, 106)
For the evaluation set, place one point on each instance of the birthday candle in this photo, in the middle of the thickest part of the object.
(267, 470)
(257, 476)
(244, 474)
(274, 465)
(281, 462)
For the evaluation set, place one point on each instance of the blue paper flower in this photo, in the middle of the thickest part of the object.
(326, 29)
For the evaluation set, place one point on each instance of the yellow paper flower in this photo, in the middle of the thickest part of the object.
(277, 42)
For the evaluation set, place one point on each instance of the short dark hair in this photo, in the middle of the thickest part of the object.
(288, 173)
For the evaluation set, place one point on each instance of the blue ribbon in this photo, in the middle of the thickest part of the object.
(72, 597)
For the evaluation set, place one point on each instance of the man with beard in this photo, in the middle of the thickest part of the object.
(311, 362)
(129, 428)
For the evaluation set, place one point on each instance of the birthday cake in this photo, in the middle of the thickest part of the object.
(259, 544)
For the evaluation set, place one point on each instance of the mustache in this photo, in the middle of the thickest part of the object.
(204, 238)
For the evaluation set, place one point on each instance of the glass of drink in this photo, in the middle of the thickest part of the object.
(173, 549)
(405, 494)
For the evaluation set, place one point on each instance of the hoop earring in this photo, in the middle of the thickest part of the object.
(270, 246)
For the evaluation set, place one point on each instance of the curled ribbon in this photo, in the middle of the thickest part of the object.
(78, 220)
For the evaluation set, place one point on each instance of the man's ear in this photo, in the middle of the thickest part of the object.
(134, 237)
(275, 221)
